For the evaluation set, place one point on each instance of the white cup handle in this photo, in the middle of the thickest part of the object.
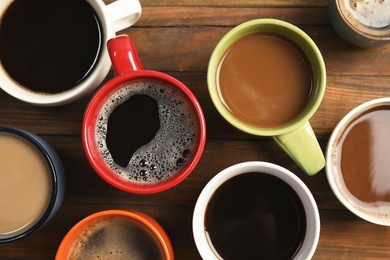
(123, 13)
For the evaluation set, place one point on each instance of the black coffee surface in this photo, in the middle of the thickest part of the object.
(49, 45)
(130, 126)
(256, 216)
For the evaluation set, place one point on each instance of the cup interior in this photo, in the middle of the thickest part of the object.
(54, 186)
(202, 239)
(91, 121)
(79, 230)
(378, 214)
(93, 78)
(357, 15)
(302, 40)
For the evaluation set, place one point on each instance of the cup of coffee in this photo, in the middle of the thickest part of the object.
(143, 131)
(256, 210)
(266, 77)
(361, 23)
(116, 234)
(357, 161)
(32, 183)
(54, 52)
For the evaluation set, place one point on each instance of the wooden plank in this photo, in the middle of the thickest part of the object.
(235, 3)
(211, 16)
(187, 49)
(343, 93)
(345, 236)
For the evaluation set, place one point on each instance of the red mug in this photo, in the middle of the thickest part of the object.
(177, 146)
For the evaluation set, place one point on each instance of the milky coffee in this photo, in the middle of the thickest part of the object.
(155, 113)
(264, 79)
(368, 16)
(116, 238)
(362, 157)
(24, 185)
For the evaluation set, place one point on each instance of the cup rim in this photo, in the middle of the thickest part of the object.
(310, 109)
(351, 26)
(312, 234)
(146, 220)
(29, 138)
(89, 142)
(95, 76)
(331, 176)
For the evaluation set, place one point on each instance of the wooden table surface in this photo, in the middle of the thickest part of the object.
(177, 37)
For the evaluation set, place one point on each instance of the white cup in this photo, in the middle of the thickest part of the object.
(374, 208)
(312, 230)
(113, 18)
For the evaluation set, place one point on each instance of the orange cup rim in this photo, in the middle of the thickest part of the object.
(149, 222)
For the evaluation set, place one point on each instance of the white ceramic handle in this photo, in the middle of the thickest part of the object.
(123, 13)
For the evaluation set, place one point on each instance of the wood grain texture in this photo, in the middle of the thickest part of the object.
(178, 37)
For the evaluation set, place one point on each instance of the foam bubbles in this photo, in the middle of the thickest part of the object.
(372, 13)
(170, 149)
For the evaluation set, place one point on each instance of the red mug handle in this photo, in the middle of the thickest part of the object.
(123, 55)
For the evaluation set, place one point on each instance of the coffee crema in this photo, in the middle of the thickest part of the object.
(264, 79)
(255, 216)
(25, 185)
(363, 152)
(49, 46)
(116, 238)
(152, 134)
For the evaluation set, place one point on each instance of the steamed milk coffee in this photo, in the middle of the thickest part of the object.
(255, 216)
(116, 238)
(264, 79)
(370, 16)
(146, 131)
(25, 185)
(363, 160)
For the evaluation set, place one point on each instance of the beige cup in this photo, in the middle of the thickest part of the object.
(354, 155)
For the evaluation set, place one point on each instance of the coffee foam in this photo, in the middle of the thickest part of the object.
(170, 149)
(372, 13)
(116, 238)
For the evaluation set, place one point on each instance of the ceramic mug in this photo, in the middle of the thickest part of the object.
(143, 131)
(256, 210)
(361, 23)
(121, 234)
(296, 136)
(55, 62)
(357, 164)
(32, 183)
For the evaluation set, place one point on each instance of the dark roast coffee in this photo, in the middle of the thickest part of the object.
(142, 112)
(147, 131)
(116, 238)
(49, 46)
(255, 216)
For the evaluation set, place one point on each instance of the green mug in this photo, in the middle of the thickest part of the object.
(295, 137)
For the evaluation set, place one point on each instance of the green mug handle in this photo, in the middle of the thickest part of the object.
(302, 146)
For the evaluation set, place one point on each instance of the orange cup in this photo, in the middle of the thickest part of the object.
(140, 218)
